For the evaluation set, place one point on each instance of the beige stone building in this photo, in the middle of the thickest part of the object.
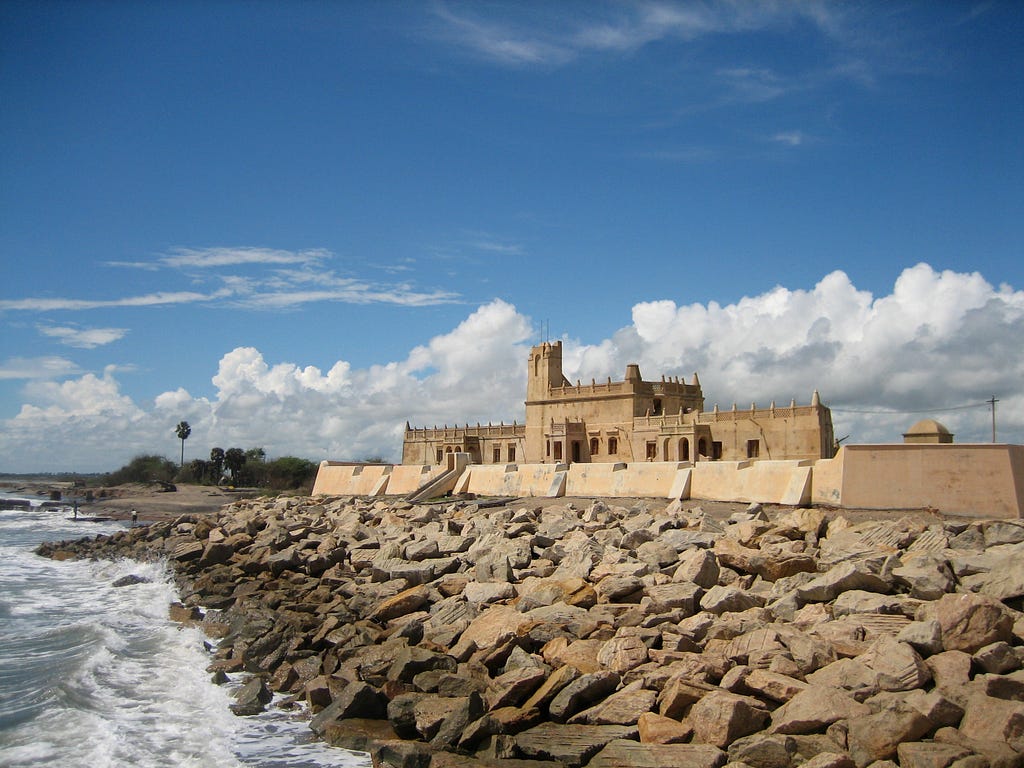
(626, 421)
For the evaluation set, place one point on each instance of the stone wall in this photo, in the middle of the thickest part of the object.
(953, 479)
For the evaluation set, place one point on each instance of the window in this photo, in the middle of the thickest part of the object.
(547, 446)
(702, 447)
(613, 445)
(511, 452)
(716, 450)
(657, 407)
(497, 455)
(684, 450)
(558, 450)
(652, 451)
(594, 445)
(753, 449)
(440, 455)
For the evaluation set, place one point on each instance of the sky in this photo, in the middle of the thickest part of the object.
(298, 226)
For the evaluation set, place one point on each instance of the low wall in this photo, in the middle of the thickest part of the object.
(768, 482)
(406, 478)
(513, 480)
(655, 479)
(335, 479)
(978, 480)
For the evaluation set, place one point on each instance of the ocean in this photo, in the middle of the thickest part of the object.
(97, 675)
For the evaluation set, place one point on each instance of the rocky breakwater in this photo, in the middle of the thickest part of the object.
(459, 634)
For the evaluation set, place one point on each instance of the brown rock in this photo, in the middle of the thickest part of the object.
(987, 718)
(814, 709)
(920, 754)
(571, 745)
(511, 688)
(970, 622)
(658, 729)
(404, 602)
(629, 753)
(721, 717)
(621, 708)
(621, 654)
(876, 736)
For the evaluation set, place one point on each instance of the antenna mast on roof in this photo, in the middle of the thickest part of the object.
(993, 402)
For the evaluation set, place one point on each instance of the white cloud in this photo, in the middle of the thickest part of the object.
(228, 257)
(37, 368)
(938, 340)
(542, 35)
(285, 286)
(790, 138)
(83, 338)
(160, 298)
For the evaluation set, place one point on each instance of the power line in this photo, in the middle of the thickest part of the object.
(986, 404)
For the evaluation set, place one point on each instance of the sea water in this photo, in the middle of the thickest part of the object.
(97, 675)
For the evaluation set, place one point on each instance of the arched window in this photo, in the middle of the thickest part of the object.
(595, 445)
(684, 450)
(613, 445)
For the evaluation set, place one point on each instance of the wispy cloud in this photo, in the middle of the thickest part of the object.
(790, 138)
(542, 35)
(145, 300)
(273, 279)
(37, 368)
(83, 338)
(228, 257)
(209, 258)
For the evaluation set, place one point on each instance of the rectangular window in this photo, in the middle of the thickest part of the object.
(558, 450)
(440, 455)
(497, 455)
(753, 449)
(613, 445)
(652, 451)
(716, 450)
(511, 452)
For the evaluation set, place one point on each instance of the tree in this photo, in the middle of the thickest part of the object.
(183, 430)
(216, 465)
(234, 460)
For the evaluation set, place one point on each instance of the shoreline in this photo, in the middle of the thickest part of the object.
(563, 630)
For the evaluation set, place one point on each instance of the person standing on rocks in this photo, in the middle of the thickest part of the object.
(135, 518)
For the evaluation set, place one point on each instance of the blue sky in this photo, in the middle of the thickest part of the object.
(297, 225)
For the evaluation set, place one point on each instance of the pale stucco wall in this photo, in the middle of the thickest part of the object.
(654, 479)
(774, 482)
(982, 480)
(979, 479)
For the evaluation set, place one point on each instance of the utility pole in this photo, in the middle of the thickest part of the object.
(993, 402)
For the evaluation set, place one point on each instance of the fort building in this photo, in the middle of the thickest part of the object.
(627, 421)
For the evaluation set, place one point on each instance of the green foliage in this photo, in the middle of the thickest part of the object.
(234, 460)
(216, 466)
(143, 469)
(290, 473)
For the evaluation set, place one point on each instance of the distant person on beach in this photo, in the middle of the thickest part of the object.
(76, 509)
(135, 518)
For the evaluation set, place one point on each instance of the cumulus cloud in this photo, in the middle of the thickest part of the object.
(938, 341)
(83, 338)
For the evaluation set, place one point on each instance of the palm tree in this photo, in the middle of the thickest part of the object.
(183, 430)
